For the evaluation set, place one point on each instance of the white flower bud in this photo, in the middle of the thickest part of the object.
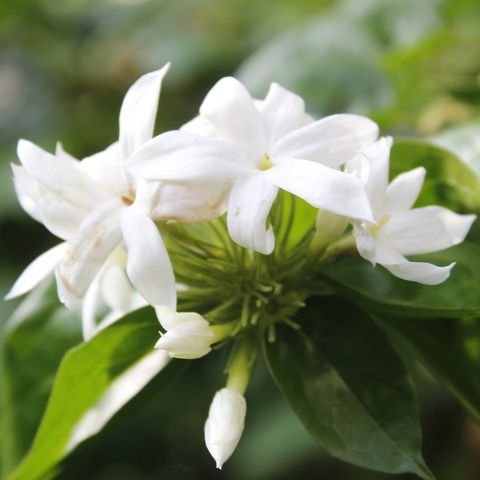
(188, 335)
(329, 226)
(224, 425)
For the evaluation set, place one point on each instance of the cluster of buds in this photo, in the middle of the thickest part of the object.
(128, 216)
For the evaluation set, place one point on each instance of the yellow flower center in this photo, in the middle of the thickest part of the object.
(265, 163)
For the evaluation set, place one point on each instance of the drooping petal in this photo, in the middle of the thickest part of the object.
(61, 176)
(249, 204)
(107, 169)
(378, 155)
(332, 141)
(282, 111)
(39, 269)
(425, 230)
(365, 242)
(180, 156)
(323, 187)
(148, 266)
(403, 191)
(139, 110)
(183, 202)
(98, 236)
(231, 110)
(59, 216)
(420, 272)
(90, 306)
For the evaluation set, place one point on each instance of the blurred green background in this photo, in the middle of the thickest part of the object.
(414, 66)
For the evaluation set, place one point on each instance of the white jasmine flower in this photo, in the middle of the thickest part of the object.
(188, 335)
(402, 231)
(254, 148)
(225, 423)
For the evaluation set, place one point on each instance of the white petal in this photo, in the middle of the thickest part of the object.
(39, 269)
(58, 215)
(403, 191)
(365, 242)
(199, 126)
(98, 236)
(378, 155)
(332, 141)
(224, 425)
(60, 175)
(231, 110)
(182, 202)
(107, 169)
(421, 272)
(249, 204)
(138, 112)
(148, 267)
(180, 156)
(60, 152)
(323, 187)
(283, 111)
(90, 306)
(425, 230)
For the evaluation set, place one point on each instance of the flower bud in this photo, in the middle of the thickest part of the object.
(188, 335)
(224, 425)
(329, 226)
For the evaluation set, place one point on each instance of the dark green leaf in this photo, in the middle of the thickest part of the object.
(35, 338)
(348, 386)
(449, 182)
(94, 381)
(449, 348)
(376, 287)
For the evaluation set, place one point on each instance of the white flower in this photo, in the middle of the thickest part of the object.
(254, 148)
(402, 231)
(188, 335)
(224, 425)
(96, 206)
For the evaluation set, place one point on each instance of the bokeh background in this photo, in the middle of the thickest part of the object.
(413, 66)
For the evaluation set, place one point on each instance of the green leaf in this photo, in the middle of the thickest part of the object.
(355, 278)
(348, 386)
(37, 335)
(449, 348)
(449, 182)
(94, 381)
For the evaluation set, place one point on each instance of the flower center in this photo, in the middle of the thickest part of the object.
(129, 197)
(265, 163)
(383, 221)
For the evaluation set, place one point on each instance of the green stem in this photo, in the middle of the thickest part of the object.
(241, 365)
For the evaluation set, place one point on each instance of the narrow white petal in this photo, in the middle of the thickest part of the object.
(183, 202)
(199, 126)
(98, 236)
(60, 175)
(39, 269)
(23, 184)
(231, 110)
(323, 187)
(60, 152)
(425, 230)
(90, 306)
(148, 267)
(420, 272)
(181, 156)
(107, 169)
(249, 204)
(116, 290)
(139, 110)
(332, 141)
(282, 111)
(59, 216)
(378, 156)
(403, 191)
(365, 242)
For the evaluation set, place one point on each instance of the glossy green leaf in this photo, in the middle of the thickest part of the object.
(449, 181)
(459, 296)
(35, 338)
(449, 348)
(93, 382)
(348, 386)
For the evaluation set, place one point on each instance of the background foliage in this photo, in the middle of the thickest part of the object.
(64, 67)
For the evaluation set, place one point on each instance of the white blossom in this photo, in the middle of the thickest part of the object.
(188, 335)
(224, 425)
(254, 148)
(401, 231)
